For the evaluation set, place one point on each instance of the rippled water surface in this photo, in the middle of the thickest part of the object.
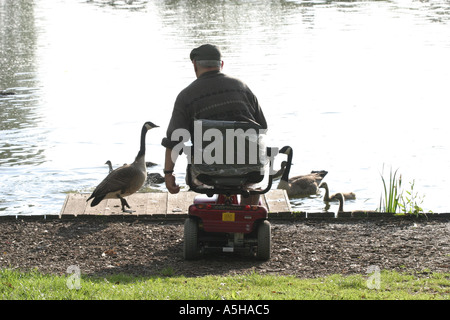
(352, 86)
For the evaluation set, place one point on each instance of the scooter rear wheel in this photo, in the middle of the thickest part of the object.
(190, 247)
(264, 241)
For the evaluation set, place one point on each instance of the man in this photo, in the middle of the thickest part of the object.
(214, 96)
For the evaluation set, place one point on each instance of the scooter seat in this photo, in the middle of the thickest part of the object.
(230, 181)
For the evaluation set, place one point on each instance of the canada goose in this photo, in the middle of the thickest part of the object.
(299, 186)
(327, 197)
(124, 180)
(108, 162)
(340, 198)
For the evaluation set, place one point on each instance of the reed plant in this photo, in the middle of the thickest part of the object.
(393, 200)
(390, 200)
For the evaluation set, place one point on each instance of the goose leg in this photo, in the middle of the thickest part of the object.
(125, 204)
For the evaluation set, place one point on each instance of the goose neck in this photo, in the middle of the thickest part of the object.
(327, 193)
(142, 147)
(285, 175)
(341, 205)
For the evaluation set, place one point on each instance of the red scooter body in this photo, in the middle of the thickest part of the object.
(225, 214)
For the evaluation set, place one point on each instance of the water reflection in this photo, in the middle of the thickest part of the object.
(17, 39)
(218, 21)
(131, 5)
(19, 143)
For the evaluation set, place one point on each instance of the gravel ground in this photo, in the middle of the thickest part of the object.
(305, 248)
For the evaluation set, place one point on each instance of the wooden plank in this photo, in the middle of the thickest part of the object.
(98, 209)
(277, 201)
(138, 203)
(157, 203)
(179, 203)
(74, 204)
(160, 204)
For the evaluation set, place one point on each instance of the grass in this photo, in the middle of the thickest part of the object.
(15, 285)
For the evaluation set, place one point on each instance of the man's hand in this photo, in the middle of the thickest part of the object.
(170, 178)
(170, 184)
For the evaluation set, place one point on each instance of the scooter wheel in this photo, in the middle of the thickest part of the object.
(264, 241)
(190, 248)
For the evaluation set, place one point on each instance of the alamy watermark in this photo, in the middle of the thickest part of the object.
(229, 146)
(74, 280)
(374, 280)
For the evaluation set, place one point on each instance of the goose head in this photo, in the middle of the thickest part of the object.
(287, 150)
(340, 198)
(150, 125)
(323, 185)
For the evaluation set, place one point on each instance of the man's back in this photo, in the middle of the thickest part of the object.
(217, 96)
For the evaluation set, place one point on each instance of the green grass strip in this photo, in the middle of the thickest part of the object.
(389, 285)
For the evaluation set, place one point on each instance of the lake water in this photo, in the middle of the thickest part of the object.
(352, 86)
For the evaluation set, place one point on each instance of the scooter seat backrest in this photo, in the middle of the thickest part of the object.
(227, 153)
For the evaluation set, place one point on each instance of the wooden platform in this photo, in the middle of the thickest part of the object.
(159, 205)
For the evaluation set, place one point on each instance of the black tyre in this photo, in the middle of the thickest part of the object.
(190, 247)
(264, 241)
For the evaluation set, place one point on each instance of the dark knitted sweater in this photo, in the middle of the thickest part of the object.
(213, 96)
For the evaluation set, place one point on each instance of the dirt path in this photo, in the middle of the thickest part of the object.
(304, 248)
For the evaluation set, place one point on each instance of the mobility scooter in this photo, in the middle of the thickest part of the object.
(218, 219)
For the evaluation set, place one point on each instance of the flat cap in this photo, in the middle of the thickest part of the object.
(206, 52)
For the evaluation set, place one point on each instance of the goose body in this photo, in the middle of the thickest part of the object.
(125, 180)
(327, 197)
(299, 186)
(151, 177)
